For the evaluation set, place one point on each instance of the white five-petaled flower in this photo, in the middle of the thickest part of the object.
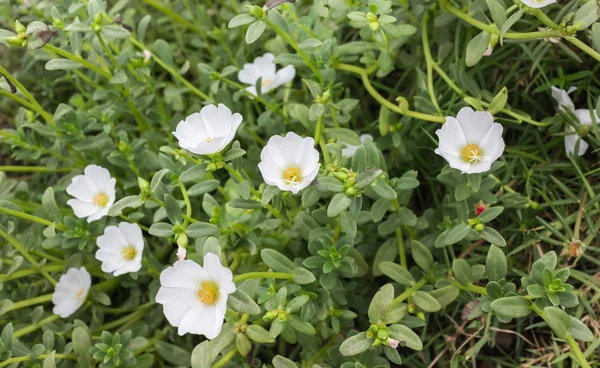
(584, 116)
(194, 298)
(538, 3)
(290, 163)
(94, 193)
(120, 248)
(70, 291)
(471, 142)
(349, 150)
(208, 131)
(264, 67)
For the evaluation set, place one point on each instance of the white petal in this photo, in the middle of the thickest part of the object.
(451, 136)
(266, 66)
(249, 74)
(571, 142)
(584, 116)
(562, 97)
(202, 320)
(492, 145)
(219, 274)
(475, 124)
(480, 167)
(130, 266)
(98, 175)
(310, 158)
(177, 302)
(183, 274)
(113, 239)
(82, 209)
(98, 214)
(282, 76)
(349, 150)
(132, 234)
(453, 159)
(537, 3)
(82, 188)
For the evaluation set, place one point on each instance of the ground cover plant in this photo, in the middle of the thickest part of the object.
(319, 183)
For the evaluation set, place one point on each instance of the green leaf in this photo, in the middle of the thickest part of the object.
(203, 187)
(512, 306)
(405, 336)
(445, 295)
(201, 357)
(421, 255)
(339, 203)
(156, 179)
(248, 204)
(82, 343)
(367, 177)
(240, 20)
(255, 30)
(161, 229)
(493, 236)
(301, 326)
(462, 192)
(474, 181)
(462, 272)
(596, 42)
(499, 100)
(50, 207)
(114, 31)
(194, 173)
(127, 202)
(558, 320)
(383, 190)
(495, 264)
(586, 15)
(425, 302)
(277, 261)
(343, 135)
(330, 184)
(303, 276)
(173, 353)
(456, 234)
(497, 11)
(62, 64)
(282, 362)
(173, 210)
(201, 230)
(490, 213)
(476, 47)
(397, 273)
(258, 334)
(356, 344)
(381, 303)
(509, 23)
(580, 331)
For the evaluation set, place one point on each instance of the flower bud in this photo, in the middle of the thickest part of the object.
(19, 27)
(326, 97)
(479, 227)
(371, 17)
(181, 252)
(340, 175)
(182, 240)
(98, 18)
(382, 335)
(534, 205)
(374, 26)
(583, 130)
(479, 208)
(143, 184)
(211, 167)
(257, 12)
(270, 315)
(421, 315)
(393, 343)
(282, 317)
(351, 192)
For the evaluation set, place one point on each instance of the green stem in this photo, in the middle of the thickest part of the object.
(226, 358)
(78, 59)
(429, 60)
(27, 358)
(159, 336)
(25, 330)
(263, 275)
(33, 301)
(18, 99)
(319, 130)
(137, 314)
(28, 169)
(383, 101)
(401, 250)
(472, 288)
(294, 45)
(33, 218)
(274, 108)
(408, 292)
(583, 47)
(185, 217)
(171, 71)
(36, 106)
(20, 247)
(186, 200)
(173, 15)
(31, 271)
(547, 21)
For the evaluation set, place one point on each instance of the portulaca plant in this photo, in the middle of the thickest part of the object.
(313, 184)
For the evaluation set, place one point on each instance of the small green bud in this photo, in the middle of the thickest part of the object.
(220, 164)
(97, 27)
(211, 167)
(479, 227)
(421, 315)
(340, 175)
(351, 192)
(326, 97)
(370, 335)
(371, 17)
(122, 146)
(182, 240)
(282, 317)
(214, 75)
(143, 183)
(19, 27)
(377, 342)
(534, 205)
(270, 315)
(583, 130)
(374, 26)
(382, 335)
(98, 18)
(373, 329)
(257, 12)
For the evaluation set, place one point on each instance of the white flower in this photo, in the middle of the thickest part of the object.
(349, 150)
(471, 142)
(194, 298)
(208, 131)
(263, 66)
(488, 51)
(94, 193)
(537, 3)
(584, 116)
(70, 291)
(290, 163)
(120, 248)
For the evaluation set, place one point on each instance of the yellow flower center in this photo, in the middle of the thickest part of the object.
(292, 176)
(101, 200)
(129, 252)
(266, 82)
(208, 140)
(208, 293)
(471, 153)
(79, 294)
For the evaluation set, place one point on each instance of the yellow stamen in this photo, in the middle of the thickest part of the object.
(471, 153)
(266, 82)
(208, 293)
(292, 176)
(208, 140)
(129, 252)
(101, 200)
(79, 294)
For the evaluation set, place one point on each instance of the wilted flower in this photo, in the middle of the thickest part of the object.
(264, 67)
(480, 207)
(584, 117)
(181, 253)
(349, 150)
(94, 193)
(549, 39)
(209, 131)
(488, 51)
(393, 343)
(537, 3)
(471, 142)
(194, 298)
(290, 163)
(120, 248)
(70, 291)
